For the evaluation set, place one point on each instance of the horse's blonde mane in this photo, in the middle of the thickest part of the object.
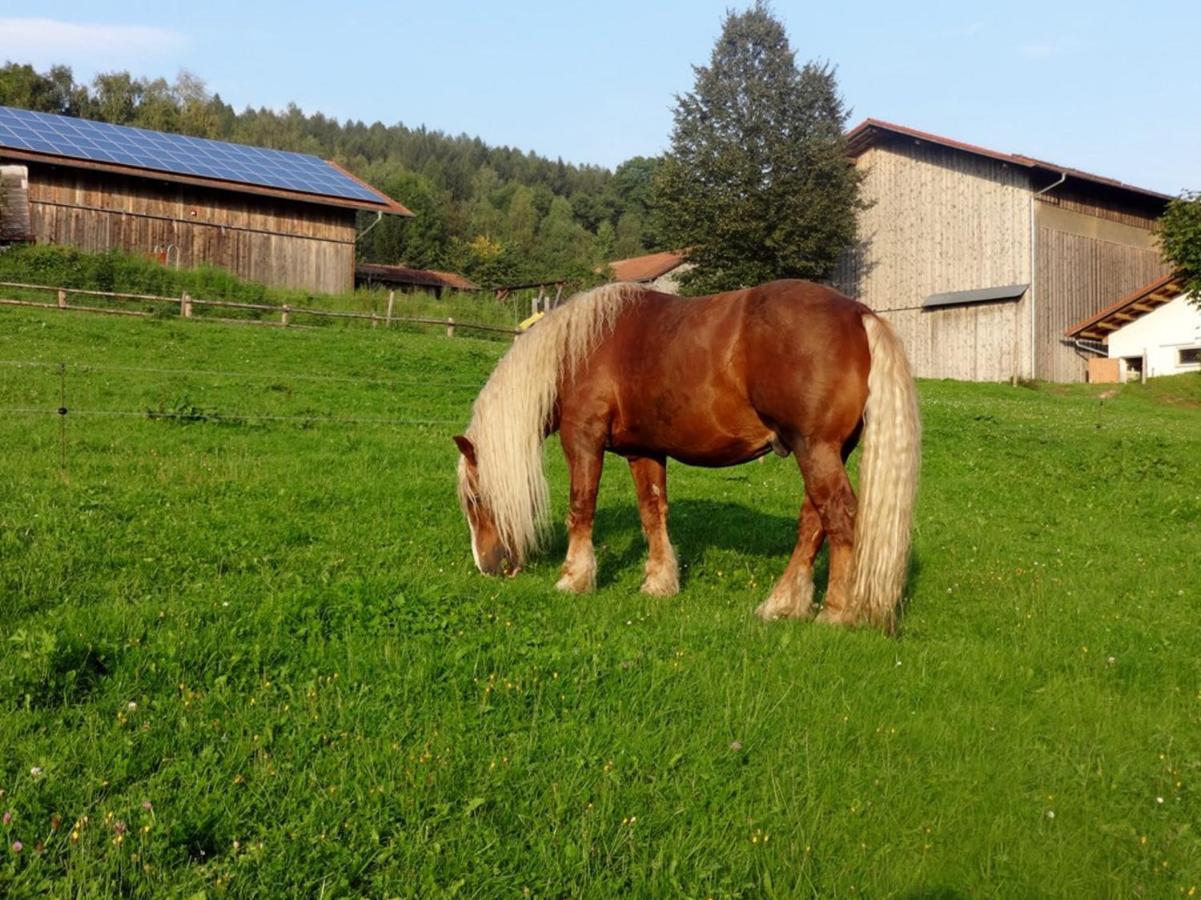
(511, 414)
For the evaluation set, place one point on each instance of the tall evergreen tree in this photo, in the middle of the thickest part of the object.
(757, 184)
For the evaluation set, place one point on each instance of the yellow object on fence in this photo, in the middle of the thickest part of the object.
(527, 324)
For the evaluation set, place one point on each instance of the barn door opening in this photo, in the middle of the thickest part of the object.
(15, 221)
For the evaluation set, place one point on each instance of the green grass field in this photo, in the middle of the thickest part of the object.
(246, 650)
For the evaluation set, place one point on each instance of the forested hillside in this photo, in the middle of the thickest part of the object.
(498, 214)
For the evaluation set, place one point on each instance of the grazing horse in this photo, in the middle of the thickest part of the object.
(790, 367)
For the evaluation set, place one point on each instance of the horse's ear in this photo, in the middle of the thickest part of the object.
(466, 448)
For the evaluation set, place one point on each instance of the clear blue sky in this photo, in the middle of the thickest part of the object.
(1111, 87)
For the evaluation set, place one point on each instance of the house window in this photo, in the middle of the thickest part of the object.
(1190, 356)
(1132, 368)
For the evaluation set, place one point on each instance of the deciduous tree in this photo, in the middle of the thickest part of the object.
(1180, 240)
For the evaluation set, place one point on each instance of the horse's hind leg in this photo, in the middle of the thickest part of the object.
(827, 485)
(662, 570)
(579, 569)
(792, 597)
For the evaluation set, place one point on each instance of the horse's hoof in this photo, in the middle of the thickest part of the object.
(661, 585)
(767, 611)
(569, 585)
(771, 610)
(836, 617)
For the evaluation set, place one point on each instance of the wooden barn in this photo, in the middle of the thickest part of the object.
(284, 219)
(982, 259)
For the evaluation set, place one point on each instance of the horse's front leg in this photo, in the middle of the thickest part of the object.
(662, 570)
(579, 569)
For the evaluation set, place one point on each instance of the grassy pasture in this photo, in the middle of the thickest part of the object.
(251, 655)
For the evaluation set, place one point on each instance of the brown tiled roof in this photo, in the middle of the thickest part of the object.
(1134, 305)
(455, 280)
(646, 268)
(868, 132)
(406, 275)
(396, 275)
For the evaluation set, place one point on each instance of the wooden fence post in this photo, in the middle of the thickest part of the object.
(62, 299)
(391, 300)
(285, 315)
(185, 305)
(450, 327)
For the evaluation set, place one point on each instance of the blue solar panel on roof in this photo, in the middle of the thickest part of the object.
(22, 129)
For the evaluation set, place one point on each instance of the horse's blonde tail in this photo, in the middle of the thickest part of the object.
(888, 475)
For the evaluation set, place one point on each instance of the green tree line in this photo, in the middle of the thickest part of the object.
(497, 214)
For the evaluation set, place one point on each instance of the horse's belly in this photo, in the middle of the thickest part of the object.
(725, 453)
(694, 446)
(702, 418)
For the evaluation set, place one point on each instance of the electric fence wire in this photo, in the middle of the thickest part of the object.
(224, 418)
(221, 373)
(62, 411)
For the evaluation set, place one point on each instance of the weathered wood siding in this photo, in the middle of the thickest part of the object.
(1105, 204)
(942, 221)
(14, 203)
(1087, 257)
(276, 242)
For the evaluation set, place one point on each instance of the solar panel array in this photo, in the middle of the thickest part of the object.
(22, 129)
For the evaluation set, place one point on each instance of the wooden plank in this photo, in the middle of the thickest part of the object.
(73, 308)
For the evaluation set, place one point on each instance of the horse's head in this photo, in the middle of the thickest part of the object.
(491, 555)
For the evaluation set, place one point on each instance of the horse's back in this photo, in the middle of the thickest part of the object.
(714, 380)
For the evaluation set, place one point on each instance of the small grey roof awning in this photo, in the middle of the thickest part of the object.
(981, 295)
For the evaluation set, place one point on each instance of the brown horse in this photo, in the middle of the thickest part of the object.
(711, 381)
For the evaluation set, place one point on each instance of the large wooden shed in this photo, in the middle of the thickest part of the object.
(283, 219)
(981, 259)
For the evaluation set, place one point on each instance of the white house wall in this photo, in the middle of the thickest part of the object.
(1160, 334)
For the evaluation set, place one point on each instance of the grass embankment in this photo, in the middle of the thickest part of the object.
(124, 273)
(254, 654)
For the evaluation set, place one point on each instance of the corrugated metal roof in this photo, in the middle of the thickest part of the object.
(868, 132)
(455, 280)
(979, 295)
